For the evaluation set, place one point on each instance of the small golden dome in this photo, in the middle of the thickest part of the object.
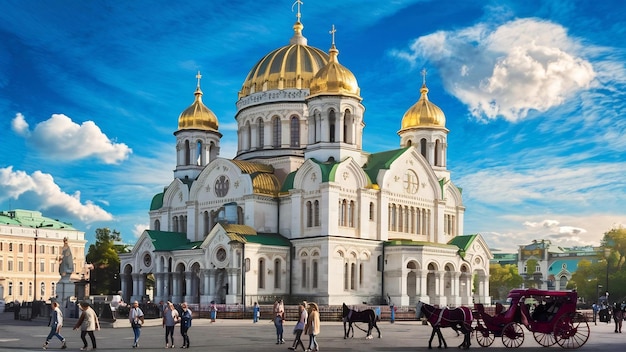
(424, 114)
(334, 78)
(291, 66)
(197, 116)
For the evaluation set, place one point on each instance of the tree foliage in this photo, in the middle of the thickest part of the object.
(502, 279)
(104, 255)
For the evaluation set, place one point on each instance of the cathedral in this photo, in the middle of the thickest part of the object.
(303, 212)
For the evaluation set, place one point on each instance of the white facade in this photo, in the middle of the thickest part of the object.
(303, 212)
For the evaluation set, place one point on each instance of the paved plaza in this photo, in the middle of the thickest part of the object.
(243, 335)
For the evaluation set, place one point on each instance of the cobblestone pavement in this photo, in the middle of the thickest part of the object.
(243, 335)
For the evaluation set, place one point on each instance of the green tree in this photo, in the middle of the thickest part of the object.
(104, 255)
(502, 279)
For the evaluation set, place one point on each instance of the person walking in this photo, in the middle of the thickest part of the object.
(256, 312)
(170, 319)
(279, 317)
(185, 324)
(313, 327)
(135, 316)
(299, 328)
(88, 323)
(56, 323)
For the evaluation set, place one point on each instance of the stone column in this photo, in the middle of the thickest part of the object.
(190, 292)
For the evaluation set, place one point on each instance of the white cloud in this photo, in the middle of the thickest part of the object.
(60, 137)
(19, 125)
(47, 194)
(138, 229)
(522, 65)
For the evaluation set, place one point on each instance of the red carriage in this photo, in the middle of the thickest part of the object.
(551, 316)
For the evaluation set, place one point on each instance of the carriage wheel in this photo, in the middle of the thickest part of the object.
(512, 335)
(571, 330)
(483, 337)
(545, 340)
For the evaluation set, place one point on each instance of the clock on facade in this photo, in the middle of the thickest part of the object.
(147, 260)
(411, 182)
(221, 186)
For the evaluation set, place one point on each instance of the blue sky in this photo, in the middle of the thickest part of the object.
(533, 92)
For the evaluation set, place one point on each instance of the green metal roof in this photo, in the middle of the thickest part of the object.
(463, 242)
(268, 239)
(157, 201)
(170, 241)
(382, 160)
(32, 218)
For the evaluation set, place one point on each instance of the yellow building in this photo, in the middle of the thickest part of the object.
(30, 247)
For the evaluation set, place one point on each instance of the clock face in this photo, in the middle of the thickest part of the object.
(221, 254)
(147, 260)
(221, 186)
(411, 182)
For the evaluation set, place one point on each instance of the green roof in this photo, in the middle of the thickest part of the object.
(32, 218)
(157, 201)
(382, 160)
(463, 242)
(328, 169)
(170, 241)
(288, 184)
(268, 239)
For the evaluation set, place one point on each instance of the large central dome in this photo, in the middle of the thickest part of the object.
(291, 66)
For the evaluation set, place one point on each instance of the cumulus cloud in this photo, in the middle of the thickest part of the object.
(507, 71)
(20, 126)
(61, 138)
(48, 195)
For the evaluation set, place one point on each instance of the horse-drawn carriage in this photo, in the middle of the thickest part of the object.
(550, 315)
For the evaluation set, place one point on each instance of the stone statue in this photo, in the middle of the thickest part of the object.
(66, 261)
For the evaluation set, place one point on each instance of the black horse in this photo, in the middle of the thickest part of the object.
(367, 316)
(459, 319)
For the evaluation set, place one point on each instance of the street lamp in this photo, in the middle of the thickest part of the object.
(607, 255)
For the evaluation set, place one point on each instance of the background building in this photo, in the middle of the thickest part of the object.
(30, 245)
(303, 211)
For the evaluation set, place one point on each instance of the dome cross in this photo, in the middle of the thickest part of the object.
(297, 3)
(332, 33)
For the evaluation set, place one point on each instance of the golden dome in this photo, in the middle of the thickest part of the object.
(424, 114)
(197, 116)
(334, 78)
(291, 66)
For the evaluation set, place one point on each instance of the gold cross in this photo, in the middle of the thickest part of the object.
(198, 76)
(332, 32)
(298, 3)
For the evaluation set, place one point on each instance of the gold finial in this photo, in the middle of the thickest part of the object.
(198, 76)
(423, 76)
(299, 14)
(332, 32)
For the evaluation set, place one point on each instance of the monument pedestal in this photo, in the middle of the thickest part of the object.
(66, 296)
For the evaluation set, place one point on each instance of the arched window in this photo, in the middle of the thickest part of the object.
(157, 225)
(10, 288)
(371, 213)
(20, 289)
(437, 153)
(53, 288)
(248, 136)
(351, 214)
(199, 156)
(408, 143)
(207, 223)
(352, 276)
(187, 153)
(277, 273)
(346, 276)
(309, 214)
(316, 213)
(315, 274)
(20, 248)
(261, 273)
(261, 133)
(360, 274)
(276, 142)
(331, 125)
(423, 147)
(42, 290)
(294, 129)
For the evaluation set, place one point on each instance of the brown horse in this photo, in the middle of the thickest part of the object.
(459, 319)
